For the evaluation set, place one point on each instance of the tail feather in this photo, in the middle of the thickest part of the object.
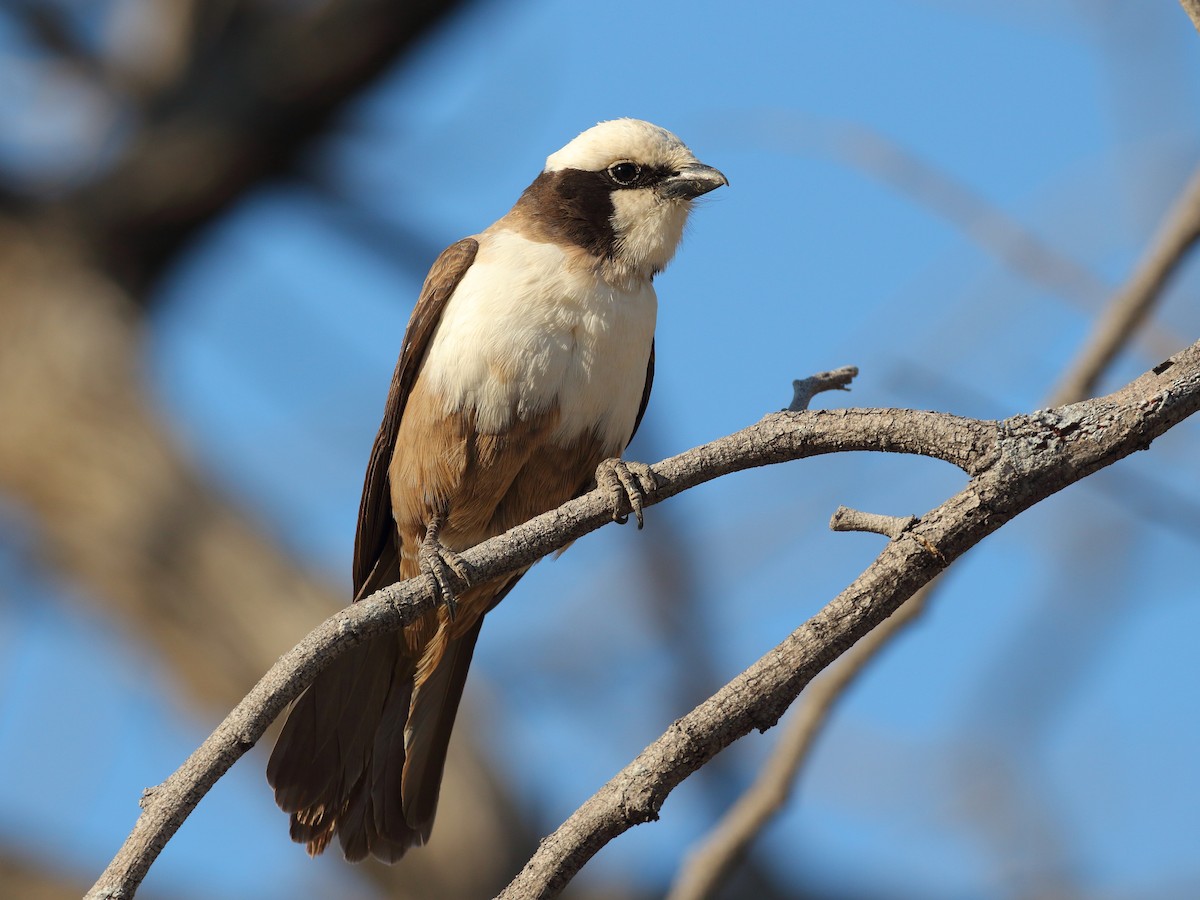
(364, 748)
(427, 733)
(321, 761)
(373, 823)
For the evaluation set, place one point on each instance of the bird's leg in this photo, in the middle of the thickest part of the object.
(627, 484)
(437, 562)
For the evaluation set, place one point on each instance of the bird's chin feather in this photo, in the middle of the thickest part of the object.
(648, 230)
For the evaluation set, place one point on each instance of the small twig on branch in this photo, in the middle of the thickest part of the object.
(804, 389)
(846, 519)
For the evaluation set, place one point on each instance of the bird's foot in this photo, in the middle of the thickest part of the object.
(440, 565)
(627, 484)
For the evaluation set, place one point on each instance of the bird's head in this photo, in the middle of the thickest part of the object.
(621, 191)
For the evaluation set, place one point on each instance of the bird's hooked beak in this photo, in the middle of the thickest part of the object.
(691, 181)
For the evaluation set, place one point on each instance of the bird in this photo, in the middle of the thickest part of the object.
(523, 374)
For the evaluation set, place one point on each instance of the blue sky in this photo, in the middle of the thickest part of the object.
(1063, 646)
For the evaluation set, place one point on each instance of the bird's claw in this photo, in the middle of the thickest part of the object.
(627, 484)
(440, 565)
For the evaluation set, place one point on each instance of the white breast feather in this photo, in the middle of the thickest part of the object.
(524, 330)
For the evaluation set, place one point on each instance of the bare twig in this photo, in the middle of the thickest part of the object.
(846, 519)
(804, 389)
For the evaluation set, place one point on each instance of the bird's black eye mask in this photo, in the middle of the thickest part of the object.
(576, 205)
(628, 174)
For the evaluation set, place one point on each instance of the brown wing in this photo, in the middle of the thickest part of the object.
(645, 395)
(376, 535)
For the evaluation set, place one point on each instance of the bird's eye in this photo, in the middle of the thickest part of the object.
(624, 172)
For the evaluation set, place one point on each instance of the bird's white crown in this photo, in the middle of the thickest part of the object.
(620, 139)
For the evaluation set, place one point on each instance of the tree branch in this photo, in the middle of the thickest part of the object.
(777, 438)
(1033, 457)
(1015, 463)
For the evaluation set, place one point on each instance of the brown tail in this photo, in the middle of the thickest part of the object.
(341, 764)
